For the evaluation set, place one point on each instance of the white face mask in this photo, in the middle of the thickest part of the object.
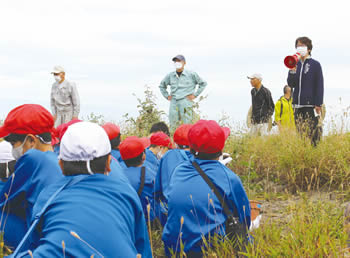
(18, 151)
(160, 154)
(302, 50)
(57, 78)
(178, 65)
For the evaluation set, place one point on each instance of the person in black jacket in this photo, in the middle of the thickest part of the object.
(262, 106)
(306, 79)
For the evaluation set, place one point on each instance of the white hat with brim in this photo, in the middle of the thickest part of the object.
(84, 141)
(255, 76)
(58, 69)
(6, 152)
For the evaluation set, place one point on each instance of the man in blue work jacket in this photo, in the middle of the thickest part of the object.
(182, 92)
(194, 210)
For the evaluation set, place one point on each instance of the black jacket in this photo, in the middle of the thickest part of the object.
(262, 105)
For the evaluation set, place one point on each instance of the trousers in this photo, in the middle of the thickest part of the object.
(180, 111)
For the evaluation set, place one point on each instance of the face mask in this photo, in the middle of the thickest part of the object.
(302, 50)
(160, 154)
(57, 78)
(18, 151)
(178, 65)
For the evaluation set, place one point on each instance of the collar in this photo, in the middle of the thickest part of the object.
(184, 72)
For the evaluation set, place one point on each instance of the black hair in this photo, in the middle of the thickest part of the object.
(97, 165)
(206, 156)
(134, 162)
(115, 142)
(44, 137)
(182, 147)
(285, 89)
(3, 168)
(306, 41)
(160, 127)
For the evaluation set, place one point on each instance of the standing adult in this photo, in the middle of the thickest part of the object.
(182, 92)
(284, 113)
(262, 106)
(65, 102)
(307, 81)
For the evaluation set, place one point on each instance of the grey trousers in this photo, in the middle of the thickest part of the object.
(63, 117)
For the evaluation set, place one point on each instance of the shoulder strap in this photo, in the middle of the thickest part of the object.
(142, 184)
(215, 190)
(37, 217)
(281, 107)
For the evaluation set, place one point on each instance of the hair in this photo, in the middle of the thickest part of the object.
(306, 41)
(4, 166)
(160, 127)
(115, 142)
(206, 156)
(134, 162)
(285, 89)
(21, 137)
(182, 147)
(97, 165)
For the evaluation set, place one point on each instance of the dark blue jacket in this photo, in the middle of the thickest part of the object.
(307, 83)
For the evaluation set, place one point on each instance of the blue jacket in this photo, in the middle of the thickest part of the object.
(151, 160)
(167, 164)
(134, 176)
(33, 172)
(104, 211)
(307, 83)
(189, 197)
(116, 154)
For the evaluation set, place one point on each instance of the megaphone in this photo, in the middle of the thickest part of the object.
(291, 61)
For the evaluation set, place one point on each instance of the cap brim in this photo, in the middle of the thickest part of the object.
(3, 132)
(146, 142)
(227, 132)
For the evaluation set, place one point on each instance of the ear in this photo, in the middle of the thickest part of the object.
(108, 164)
(60, 162)
(144, 156)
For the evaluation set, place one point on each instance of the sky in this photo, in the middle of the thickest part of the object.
(112, 49)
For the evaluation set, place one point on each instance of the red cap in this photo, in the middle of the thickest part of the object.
(161, 139)
(27, 119)
(131, 147)
(61, 129)
(206, 136)
(227, 132)
(112, 130)
(181, 135)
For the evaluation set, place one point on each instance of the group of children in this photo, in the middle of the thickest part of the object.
(79, 190)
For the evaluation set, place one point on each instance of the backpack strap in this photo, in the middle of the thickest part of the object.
(142, 184)
(216, 191)
(37, 217)
(281, 107)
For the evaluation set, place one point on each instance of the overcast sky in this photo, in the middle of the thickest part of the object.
(111, 49)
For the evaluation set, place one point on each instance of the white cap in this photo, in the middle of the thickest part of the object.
(256, 75)
(84, 141)
(6, 152)
(58, 69)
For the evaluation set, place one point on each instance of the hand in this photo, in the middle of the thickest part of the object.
(170, 98)
(74, 118)
(54, 118)
(191, 97)
(318, 110)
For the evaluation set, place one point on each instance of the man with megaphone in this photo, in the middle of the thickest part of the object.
(306, 79)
